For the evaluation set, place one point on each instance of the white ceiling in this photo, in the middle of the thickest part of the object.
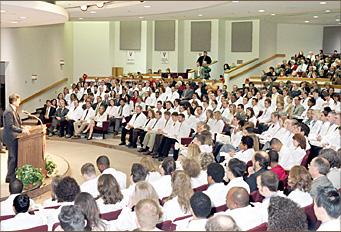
(285, 11)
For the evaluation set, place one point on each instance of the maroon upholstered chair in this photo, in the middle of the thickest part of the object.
(52, 207)
(255, 196)
(55, 225)
(102, 130)
(5, 217)
(262, 227)
(218, 209)
(305, 159)
(313, 223)
(166, 226)
(110, 215)
(182, 218)
(41, 228)
(201, 188)
(186, 141)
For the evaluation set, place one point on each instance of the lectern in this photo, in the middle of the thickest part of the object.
(31, 148)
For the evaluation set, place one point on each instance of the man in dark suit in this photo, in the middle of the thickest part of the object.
(59, 117)
(47, 113)
(12, 127)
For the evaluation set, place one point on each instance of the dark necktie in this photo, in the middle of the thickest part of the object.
(86, 114)
(147, 122)
(155, 123)
(120, 111)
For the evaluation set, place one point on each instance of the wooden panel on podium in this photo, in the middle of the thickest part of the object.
(117, 71)
(31, 148)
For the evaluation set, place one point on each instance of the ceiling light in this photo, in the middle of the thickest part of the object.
(261, 11)
(14, 22)
(323, 3)
(327, 11)
(273, 14)
(200, 15)
(315, 17)
(337, 20)
(23, 17)
(147, 6)
(80, 18)
(307, 21)
(92, 12)
(84, 7)
(235, 1)
(3, 11)
(100, 4)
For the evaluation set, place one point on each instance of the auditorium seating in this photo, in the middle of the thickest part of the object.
(41, 228)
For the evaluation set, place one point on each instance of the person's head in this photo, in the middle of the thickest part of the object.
(138, 109)
(200, 205)
(109, 189)
(103, 163)
(149, 164)
(54, 183)
(273, 155)
(182, 189)
(327, 204)
(319, 166)
(267, 183)
(285, 215)
(168, 166)
(71, 218)
(221, 223)
(148, 214)
(215, 173)
(67, 189)
(144, 190)
(193, 151)
(332, 157)
(138, 172)
(260, 160)
(167, 115)
(235, 168)
(191, 167)
(276, 144)
(21, 203)
(15, 186)
(206, 159)
(299, 178)
(88, 171)
(299, 141)
(246, 143)
(90, 209)
(237, 197)
(14, 99)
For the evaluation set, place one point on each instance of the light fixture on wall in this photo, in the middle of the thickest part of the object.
(98, 5)
(84, 7)
(34, 77)
(61, 63)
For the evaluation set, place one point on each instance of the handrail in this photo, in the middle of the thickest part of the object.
(43, 90)
(125, 78)
(257, 65)
(241, 65)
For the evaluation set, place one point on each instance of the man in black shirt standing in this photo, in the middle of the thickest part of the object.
(203, 58)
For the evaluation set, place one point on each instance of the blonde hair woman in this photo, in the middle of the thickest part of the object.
(178, 204)
(150, 165)
(193, 170)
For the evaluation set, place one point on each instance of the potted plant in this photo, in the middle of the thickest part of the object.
(50, 167)
(30, 176)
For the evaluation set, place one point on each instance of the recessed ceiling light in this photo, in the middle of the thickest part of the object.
(261, 11)
(273, 14)
(84, 7)
(315, 17)
(235, 1)
(14, 22)
(80, 18)
(3, 11)
(141, 17)
(200, 15)
(100, 4)
(92, 12)
(147, 6)
(327, 11)
(23, 17)
(323, 3)
(337, 20)
(307, 21)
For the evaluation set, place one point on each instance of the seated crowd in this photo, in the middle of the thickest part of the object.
(311, 65)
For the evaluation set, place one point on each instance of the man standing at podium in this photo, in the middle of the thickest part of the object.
(12, 127)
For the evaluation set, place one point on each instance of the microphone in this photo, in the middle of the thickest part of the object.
(32, 116)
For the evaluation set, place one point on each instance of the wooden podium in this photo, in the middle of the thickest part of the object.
(31, 148)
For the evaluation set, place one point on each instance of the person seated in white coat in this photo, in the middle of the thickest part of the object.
(137, 173)
(122, 111)
(216, 189)
(218, 124)
(235, 171)
(266, 115)
(15, 188)
(285, 154)
(87, 116)
(163, 185)
(110, 196)
(201, 210)
(137, 121)
(239, 208)
(22, 219)
(299, 151)
(177, 205)
(88, 172)
(148, 214)
(103, 165)
(327, 209)
(246, 150)
(151, 168)
(192, 168)
(75, 113)
(273, 128)
(100, 117)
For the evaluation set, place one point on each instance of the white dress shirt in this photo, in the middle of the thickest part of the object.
(173, 210)
(303, 199)
(163, 186)
(119, 176)
(332, 225)
(238, 182)
(90, 186)
(21, 221)
(217, 193)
